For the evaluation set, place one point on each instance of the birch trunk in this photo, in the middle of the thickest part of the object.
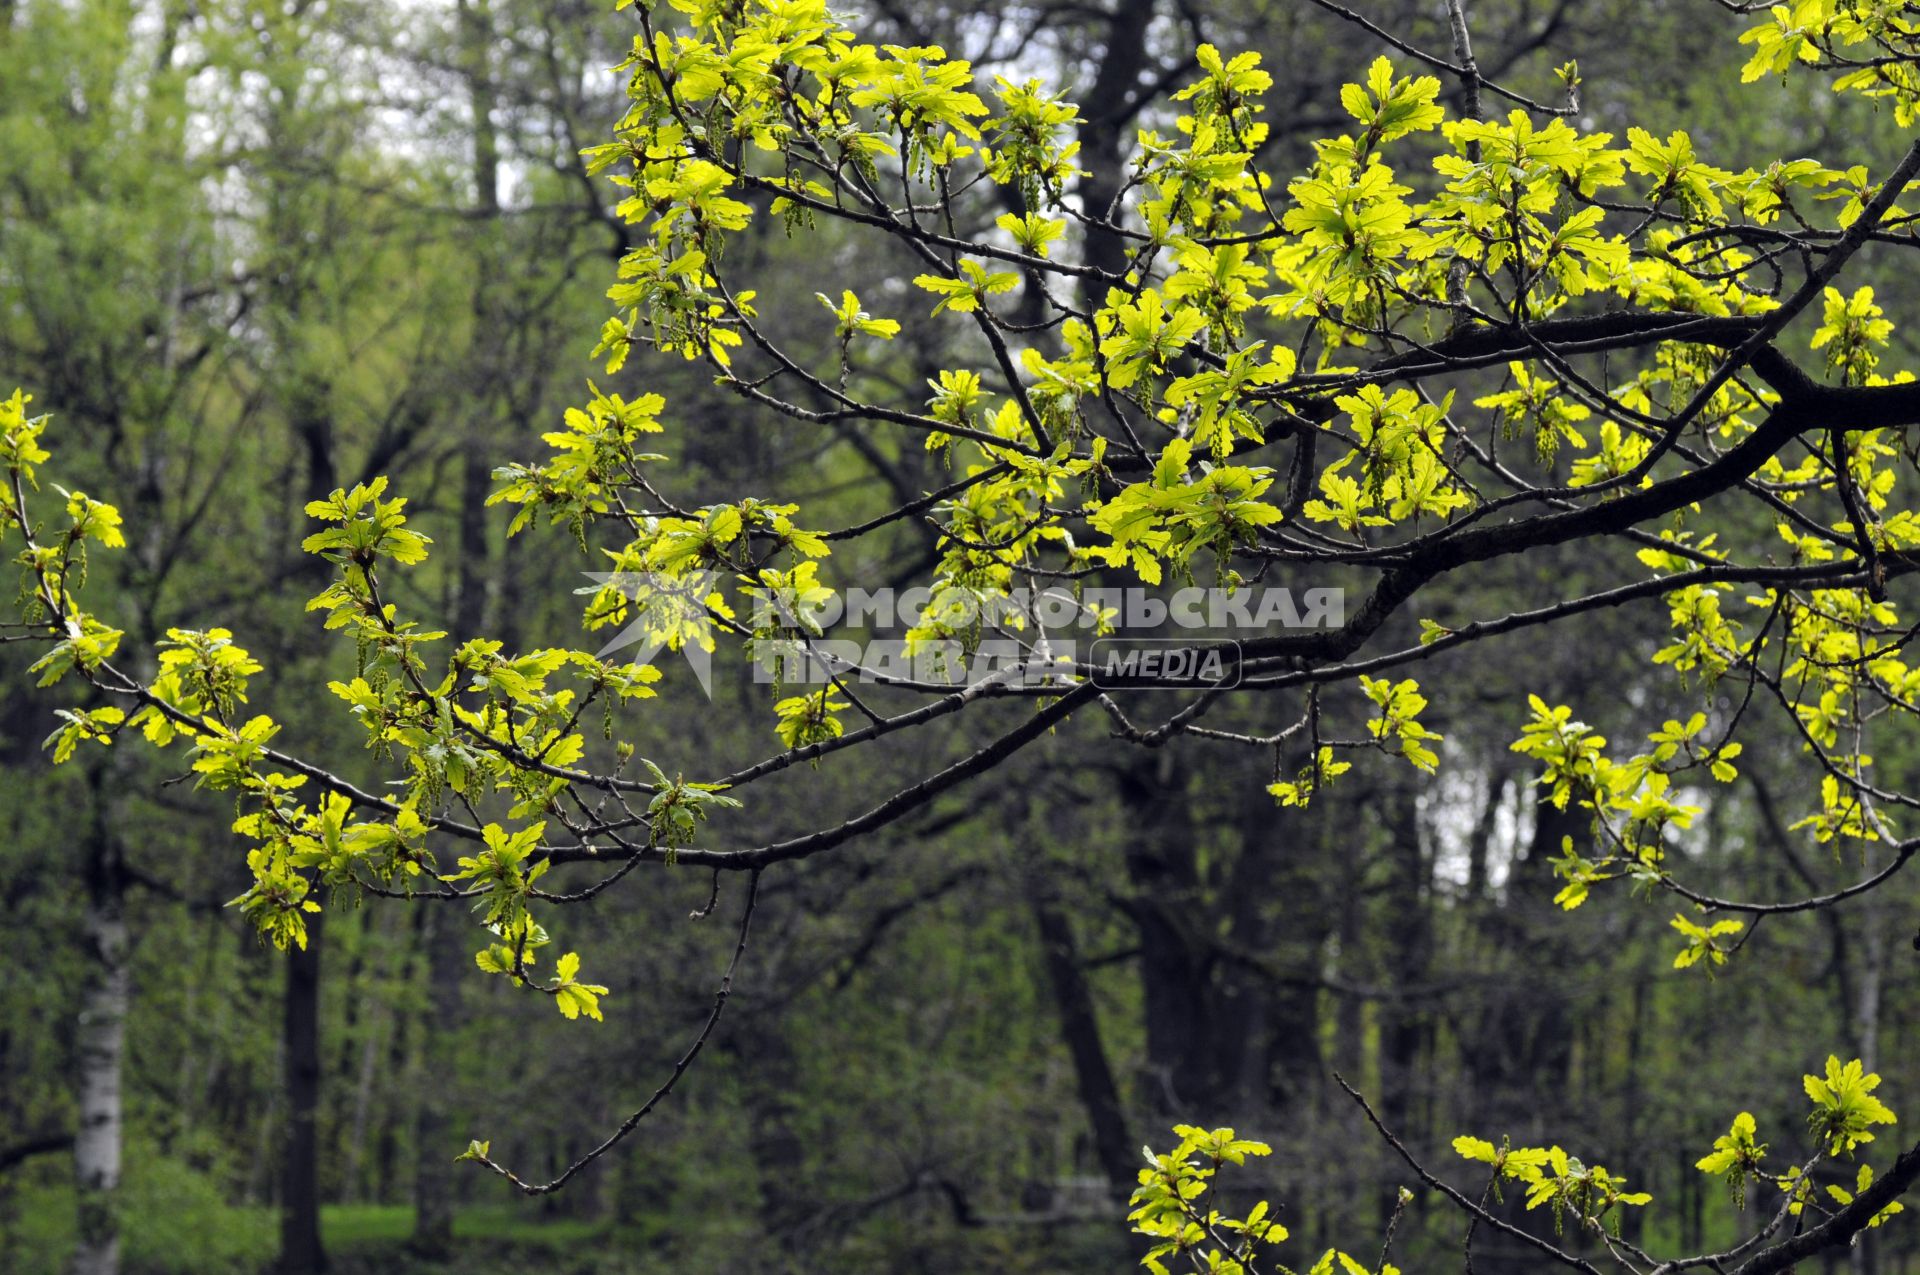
(100, 1048)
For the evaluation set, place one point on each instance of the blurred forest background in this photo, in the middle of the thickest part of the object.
(253, 251)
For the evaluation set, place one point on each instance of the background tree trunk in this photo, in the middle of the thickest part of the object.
(100, 1045)
(300, 1249)
(1080, 1029)
(447, 964)
(448, 959)
(1174, 967)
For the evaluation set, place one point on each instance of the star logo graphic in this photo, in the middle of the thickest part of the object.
(662, 612)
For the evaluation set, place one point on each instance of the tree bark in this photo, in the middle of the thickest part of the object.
(101, 1044)
(448, 959)
(1863, 1255)
(447, 964)
(373, 1036)
(1277, 907)
(1104, 132)
(1175, 969)
(1404, 1029)
(1080, 1028)
(300, 1248)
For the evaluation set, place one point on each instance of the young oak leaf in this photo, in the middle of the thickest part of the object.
(1844, 1106)
(574, 997)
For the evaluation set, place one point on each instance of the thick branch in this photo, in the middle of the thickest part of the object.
(1841, 1228)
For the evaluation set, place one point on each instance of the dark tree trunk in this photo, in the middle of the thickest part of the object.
(1174, 966)
(1523, 1043)
(448, 959)
(1269, 1030)
(447, 964)
(1405, 1027)
(1105, 132)
(300, 1249)
(1080, 1028)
